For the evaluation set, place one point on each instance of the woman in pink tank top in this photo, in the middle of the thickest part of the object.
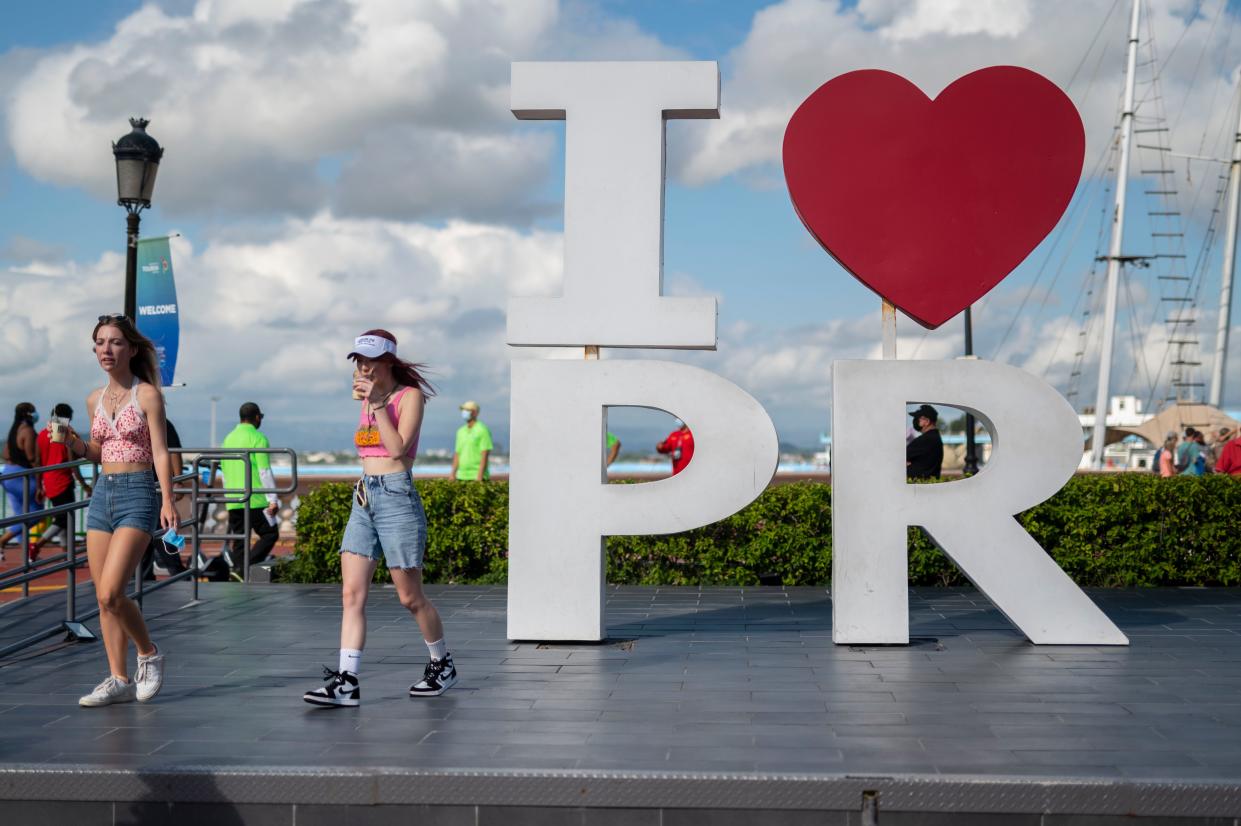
(387, 519)
(127, 507)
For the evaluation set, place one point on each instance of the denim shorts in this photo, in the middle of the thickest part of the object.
(124, 500)
(392, 522)
(20, 490)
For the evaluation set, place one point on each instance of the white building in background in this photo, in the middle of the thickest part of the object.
(1132, 453)
(1123, 411)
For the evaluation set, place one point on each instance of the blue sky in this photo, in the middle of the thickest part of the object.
(407, 191)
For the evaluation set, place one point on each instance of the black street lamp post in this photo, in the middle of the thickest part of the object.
(137, 163)
(970, 466)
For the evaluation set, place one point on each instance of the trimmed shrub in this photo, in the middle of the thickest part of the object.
(1103, 530)
(467, 534)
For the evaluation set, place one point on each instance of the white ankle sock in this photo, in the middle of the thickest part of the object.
(438, 649)
(350, 660)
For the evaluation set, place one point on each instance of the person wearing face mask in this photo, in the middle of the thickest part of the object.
(21, 451)
(924, 456)
(679, 444)
(57, 484)
(473, 447)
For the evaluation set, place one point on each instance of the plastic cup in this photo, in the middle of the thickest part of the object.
(57, 431)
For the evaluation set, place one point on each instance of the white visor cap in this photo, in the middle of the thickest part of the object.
(371, 347)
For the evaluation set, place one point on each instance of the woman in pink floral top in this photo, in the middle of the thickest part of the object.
(126, 507)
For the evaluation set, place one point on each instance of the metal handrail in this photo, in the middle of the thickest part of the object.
(27, 518)
(71, 559)
(213, 456)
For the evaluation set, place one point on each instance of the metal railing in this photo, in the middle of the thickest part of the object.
(71, 559)
(209, 460)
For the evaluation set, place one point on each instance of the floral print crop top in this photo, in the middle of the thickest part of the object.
(126, 438)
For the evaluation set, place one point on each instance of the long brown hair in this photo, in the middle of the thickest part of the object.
(404, 372)
(145, 362)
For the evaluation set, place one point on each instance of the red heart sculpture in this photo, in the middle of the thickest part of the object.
(932, 203)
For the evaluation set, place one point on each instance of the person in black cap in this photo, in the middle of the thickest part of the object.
(263, 507)
(924, 456)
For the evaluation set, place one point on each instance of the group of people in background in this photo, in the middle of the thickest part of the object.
(133, 500)
(27, 448)
(1194, 456)
(132, 503)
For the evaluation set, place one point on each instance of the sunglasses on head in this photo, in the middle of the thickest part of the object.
(112, 318)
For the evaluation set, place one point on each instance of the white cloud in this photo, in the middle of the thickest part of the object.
(321, 281)
(23, 248)
(47, 311)
(996, 18)
(409, 100)
(796, 45)
(481, 177)
(273, 321)
(249, 97)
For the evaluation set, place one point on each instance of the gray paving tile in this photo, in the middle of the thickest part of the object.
(386, 815)
(1121, 820)
(55, 812)
(752, 817)
(202, 814)
(715, 680)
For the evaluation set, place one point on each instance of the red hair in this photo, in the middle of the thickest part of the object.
(404, 372)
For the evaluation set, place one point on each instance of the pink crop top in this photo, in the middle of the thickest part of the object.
(127, 438)
(367, 437)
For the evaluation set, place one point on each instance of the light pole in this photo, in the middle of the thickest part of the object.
(970, 466)
(214, 399)
(137, 163)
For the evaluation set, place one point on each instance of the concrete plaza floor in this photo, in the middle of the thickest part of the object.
(693, 683)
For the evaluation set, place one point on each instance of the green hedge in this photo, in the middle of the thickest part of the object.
(1105, 530)
(467, 536)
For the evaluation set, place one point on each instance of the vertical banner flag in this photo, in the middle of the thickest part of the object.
(157, 303)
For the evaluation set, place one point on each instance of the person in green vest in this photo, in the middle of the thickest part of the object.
(262, 506)
(469, 458)
(614, 446)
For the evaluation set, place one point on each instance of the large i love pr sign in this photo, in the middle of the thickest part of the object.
(930, 203)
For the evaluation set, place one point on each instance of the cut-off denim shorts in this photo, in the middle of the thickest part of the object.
(391, 521)
(124, 500)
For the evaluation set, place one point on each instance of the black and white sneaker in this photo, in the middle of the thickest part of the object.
(342, 689)
(440, 676)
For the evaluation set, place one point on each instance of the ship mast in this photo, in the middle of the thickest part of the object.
(1229, 268)
(1114, 258)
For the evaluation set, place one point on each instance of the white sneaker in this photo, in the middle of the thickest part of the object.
(150, 676)
(342, 689)
(440, 675)
(110, 691)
